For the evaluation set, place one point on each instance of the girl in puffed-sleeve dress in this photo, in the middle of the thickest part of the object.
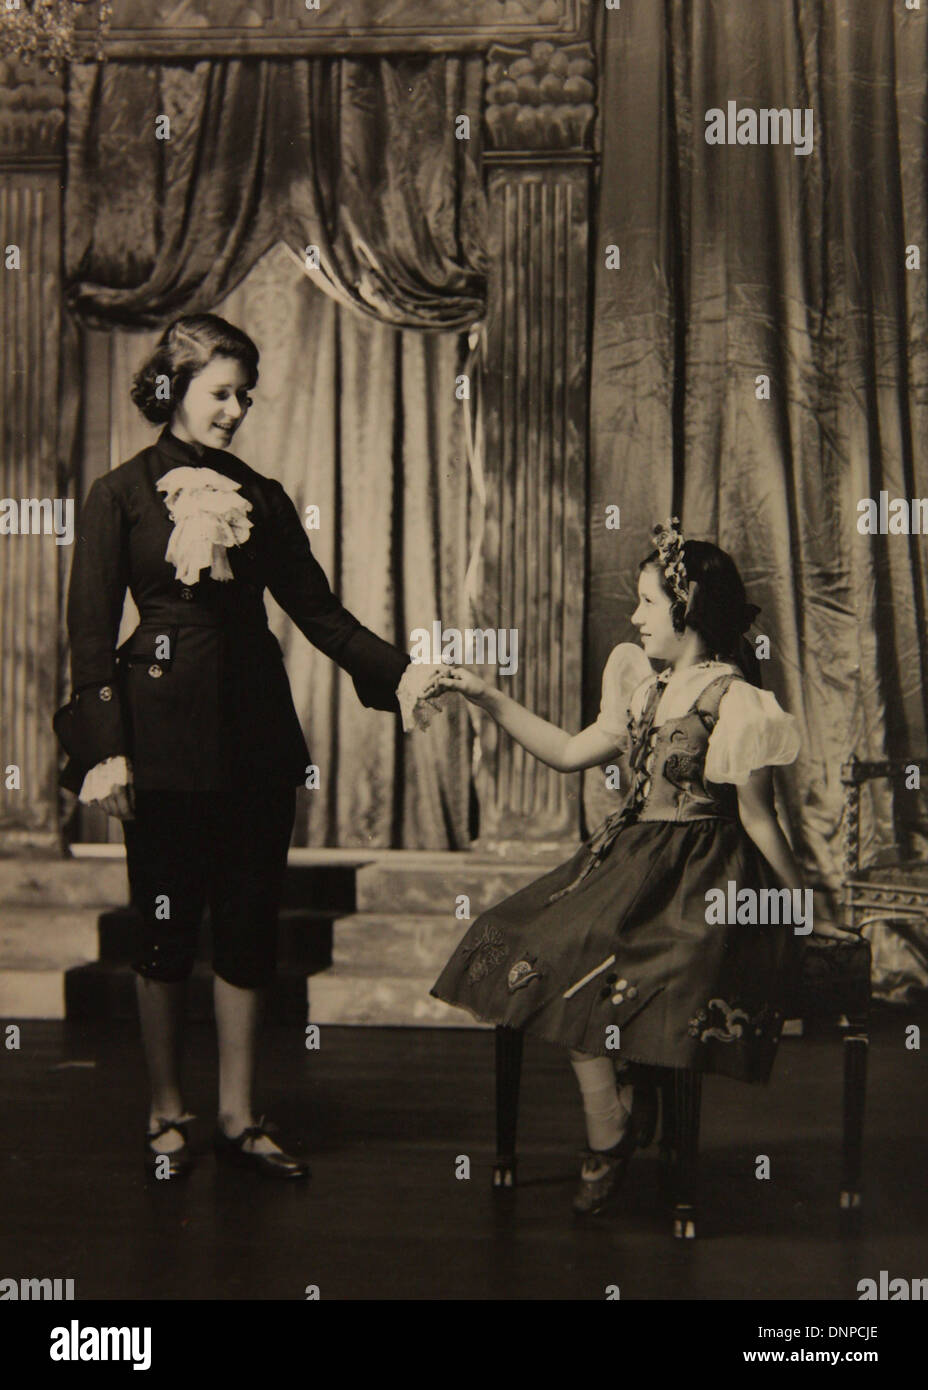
(617, 936)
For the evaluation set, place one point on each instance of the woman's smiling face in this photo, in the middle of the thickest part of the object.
(214, 404)
(652, 617)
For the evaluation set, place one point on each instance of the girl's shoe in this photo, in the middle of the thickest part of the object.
(276, 1164)
(180, 1161)
(595, 1193)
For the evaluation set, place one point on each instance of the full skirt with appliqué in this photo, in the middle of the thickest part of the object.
(625, 964)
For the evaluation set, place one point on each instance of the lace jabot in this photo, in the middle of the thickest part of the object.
(209, 516)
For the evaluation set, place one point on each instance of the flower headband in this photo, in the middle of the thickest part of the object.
(669, 541)
(668, 538)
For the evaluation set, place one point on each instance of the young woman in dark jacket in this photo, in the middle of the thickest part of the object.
(188, 732)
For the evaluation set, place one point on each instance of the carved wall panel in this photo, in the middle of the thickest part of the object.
(539, 118)
(31, 116)
(209, 28)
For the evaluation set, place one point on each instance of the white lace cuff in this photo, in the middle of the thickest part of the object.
(100, 780)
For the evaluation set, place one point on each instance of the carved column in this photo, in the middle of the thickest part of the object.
(31, 121)
(539, 161)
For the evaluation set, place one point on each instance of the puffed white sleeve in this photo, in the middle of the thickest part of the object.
(624, 671)
(752, 731)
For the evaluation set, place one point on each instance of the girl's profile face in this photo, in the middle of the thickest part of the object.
(214, 404)
(652, 617)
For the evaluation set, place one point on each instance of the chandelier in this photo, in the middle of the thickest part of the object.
(44, 29)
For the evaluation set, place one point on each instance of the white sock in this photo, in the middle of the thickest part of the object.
(603, 1110)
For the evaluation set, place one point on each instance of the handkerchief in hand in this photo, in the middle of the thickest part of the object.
(415, 709)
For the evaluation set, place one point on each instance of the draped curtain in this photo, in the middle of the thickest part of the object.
(180, 176)
(741, 260)
(355, 411)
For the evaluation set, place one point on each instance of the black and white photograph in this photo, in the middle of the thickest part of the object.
(463, 667)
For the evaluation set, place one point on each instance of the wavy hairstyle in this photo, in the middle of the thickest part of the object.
(185, 347)
(718, 609)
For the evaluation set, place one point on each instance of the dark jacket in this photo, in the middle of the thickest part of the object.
(211, 706)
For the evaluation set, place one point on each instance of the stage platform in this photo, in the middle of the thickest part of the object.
(385, 1116)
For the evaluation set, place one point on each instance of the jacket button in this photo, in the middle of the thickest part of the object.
(106, 692)
(155, 670)
(186, 593)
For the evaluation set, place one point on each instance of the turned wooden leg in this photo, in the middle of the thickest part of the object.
(856, 1045)
(646, 1102)
(508, 1078)
(685, 1097)
(667, 1142)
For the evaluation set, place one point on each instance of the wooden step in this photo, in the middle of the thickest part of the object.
(387, 955)
(38, 938)
(92, 882)
(31, 993)
(431, 883)
(352, 996)
(394, 944)
(37, 947)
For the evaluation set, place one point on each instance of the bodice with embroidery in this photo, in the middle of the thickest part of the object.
(668, 765)
(668, 761)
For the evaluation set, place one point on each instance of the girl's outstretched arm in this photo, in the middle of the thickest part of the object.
(758, 816)
(546, 741)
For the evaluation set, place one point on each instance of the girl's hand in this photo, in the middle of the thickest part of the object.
(829, 929)
(472, 687)
(417, 695)
(823, 920)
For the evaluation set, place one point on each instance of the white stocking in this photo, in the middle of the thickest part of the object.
(604, 1111)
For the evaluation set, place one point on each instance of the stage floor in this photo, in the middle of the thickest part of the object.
(384, 1115)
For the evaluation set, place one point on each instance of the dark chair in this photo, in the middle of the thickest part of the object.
(893, 889)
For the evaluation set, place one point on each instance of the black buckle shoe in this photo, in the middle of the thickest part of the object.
(276, 1164)
(596, 1194)
(180, 1161)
